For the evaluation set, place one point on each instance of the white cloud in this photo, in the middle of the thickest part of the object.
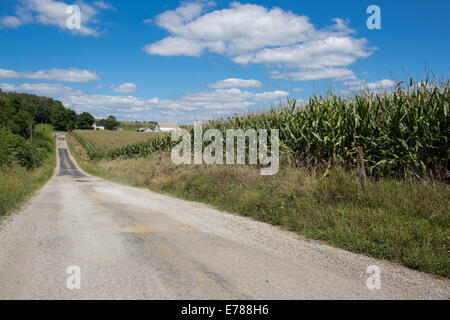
(271, 95)
(8, 74)
(236, 83)
(330, 52)
(45, 89)
(147, 21)
(54, 13)
(63, 75)
(174, 46)
(172, 20)
(379, 85)
(104, 5)
(238, 29)
(108, 104)
(7, 87)
(125, 88)
(253, 34)
(314, 74)
(10, 22)
(216, 103)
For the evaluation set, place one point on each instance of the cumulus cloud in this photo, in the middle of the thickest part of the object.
(253, 34)
(127, 87)
(384, 83)
(330, 52)
(173, 20)
(103, 5)
(45, 89)
(54, 13)
(271, 95)
(222, 101)
(7, 74)
(314, 74)
(380, 85)
(217, 103)
(236, 83)
(175, 46)
(108, 104)
(235, 30)
(10, 22)
(63, 75)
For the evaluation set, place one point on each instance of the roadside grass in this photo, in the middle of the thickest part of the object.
(405, 221)
(18, 184)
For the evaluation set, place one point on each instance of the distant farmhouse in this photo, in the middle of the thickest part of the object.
(145, 130)
(95, 127)
(161, 127)
(166, 126)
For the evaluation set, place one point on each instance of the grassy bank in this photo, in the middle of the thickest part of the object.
(17, 184)
(405, 221)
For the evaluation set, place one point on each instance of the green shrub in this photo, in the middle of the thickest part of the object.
(15, 149)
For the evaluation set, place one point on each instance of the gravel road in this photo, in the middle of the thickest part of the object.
(132, 243)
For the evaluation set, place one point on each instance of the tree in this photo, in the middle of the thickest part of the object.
(23, 124)
(111, 123)
(101, 122)
(20, 111)
(58, 118)
(85, 121)
(64, 119)
(71, 119)
(43, 113)
(6, 114)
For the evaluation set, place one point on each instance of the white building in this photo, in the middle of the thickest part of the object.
(145, 130)
(95, 127)
(166, 126)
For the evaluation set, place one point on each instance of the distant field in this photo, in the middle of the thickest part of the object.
(98, 143)
(134, 126)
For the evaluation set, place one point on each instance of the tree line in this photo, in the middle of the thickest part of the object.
(20, 112)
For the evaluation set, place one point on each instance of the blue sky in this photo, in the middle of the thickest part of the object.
(188, 60)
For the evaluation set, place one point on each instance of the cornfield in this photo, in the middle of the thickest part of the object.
(98, 144)
(158, 142)
(402, 132)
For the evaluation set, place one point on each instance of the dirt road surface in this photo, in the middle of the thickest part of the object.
(131, 243)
